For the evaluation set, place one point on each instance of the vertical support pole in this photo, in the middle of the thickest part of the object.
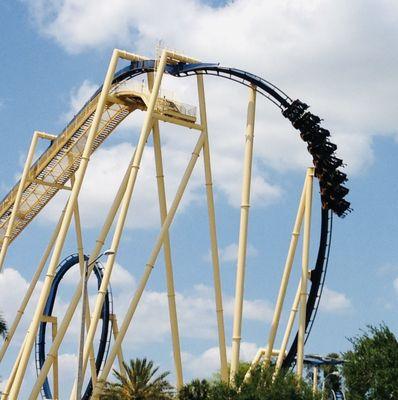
(288, 330)
(244, 219)
(55, 365)
(286, 275)
(148, 267)
(213, 233)
(115, 331)
(84, 297)
(254, 364)
(175, 337)
(315, 379)
(304, 273)
(59, 244)
(146, 128)
(18, 198)
(31, 288)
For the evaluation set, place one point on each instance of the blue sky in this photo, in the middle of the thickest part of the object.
(54, 55)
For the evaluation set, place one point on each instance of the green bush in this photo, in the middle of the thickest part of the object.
(371, 367)
(261, 386)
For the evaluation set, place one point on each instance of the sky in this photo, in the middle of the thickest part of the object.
(337, 56)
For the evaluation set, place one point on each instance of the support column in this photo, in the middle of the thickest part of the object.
(315, 380)
(31, 333)
(288, 330)
(115, 331)
(148, 268)
(145, 131)
(286, 276)
(304, 273)
(244, 219)
(55, 365)
(175, 337)
(213, 233)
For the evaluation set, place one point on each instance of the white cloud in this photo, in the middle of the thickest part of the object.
(335, 302)
(12, 289)
(395, 284)
(208, 362)
(342, 65)
(229, 253)
(387, 269)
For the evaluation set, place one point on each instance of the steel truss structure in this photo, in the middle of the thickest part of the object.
(63, 167)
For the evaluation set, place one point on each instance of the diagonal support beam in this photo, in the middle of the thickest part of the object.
(304, 273)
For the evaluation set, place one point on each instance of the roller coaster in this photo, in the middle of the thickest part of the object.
(63, 165)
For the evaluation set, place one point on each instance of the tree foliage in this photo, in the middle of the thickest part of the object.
(139, 383)
(261, 386)
(371, 367)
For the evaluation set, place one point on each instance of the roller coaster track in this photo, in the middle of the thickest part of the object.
(51, 172)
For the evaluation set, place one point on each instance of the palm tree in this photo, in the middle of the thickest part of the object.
(3, 327)
(138, 383)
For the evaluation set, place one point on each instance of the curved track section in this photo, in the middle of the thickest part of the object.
(104, 341)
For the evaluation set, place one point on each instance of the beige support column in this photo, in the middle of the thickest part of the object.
(286, 275)
(55, 365)
(30, 336)
(149, 266)
(304, 273)
(244, 219)
(31, 288)
(315, 380)
(254, 364)
(145, 131)
(76, 296)
(18, 197)
(288, 330)
(175, 337)
(213, 233)
(120, 358)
